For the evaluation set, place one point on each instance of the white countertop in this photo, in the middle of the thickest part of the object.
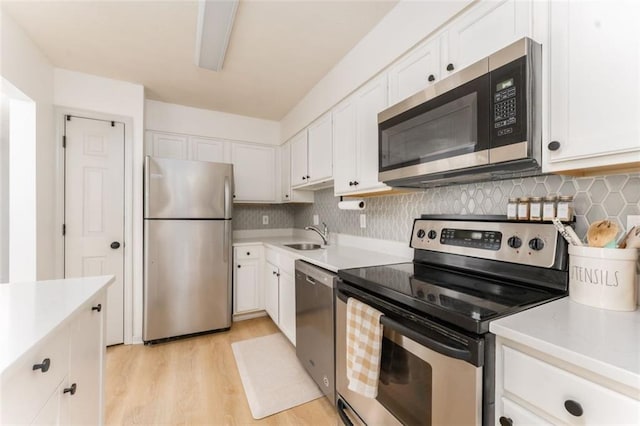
(604, 342)
(32, 310)
(331, 257)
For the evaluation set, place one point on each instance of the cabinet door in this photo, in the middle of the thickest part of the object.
(50, 414)
(288, 306)
(485, 28)
(271, 291)
(248, 291)
(206, 149)
(414, 72)
(254, 172)
(320, 150)
(594, 83)
(518, 415)
(344, 153)
(86, 363)
(285, 170)
(299, 170)
(371, 100)
(167, 145)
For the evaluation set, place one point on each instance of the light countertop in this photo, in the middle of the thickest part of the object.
(32, 310)
(602, 341)
(332, 257)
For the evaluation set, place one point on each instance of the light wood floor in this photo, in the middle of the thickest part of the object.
(193, 381)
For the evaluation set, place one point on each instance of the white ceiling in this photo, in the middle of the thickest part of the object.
(278, 50)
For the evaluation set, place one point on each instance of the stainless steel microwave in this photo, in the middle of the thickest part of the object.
(481, 123)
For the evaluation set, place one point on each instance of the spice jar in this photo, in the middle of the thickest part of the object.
(535, 208)
(564, 209)
(512, 209)
(523, 208)
(549, 208)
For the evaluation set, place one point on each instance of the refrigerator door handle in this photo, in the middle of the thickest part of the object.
(227, 197)
(226, 243)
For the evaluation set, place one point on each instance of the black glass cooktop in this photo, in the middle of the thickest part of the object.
(469, 302)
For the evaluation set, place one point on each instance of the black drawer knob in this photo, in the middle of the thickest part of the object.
(431, 77)
(350, 183)
(304, 178)
(450, 67)
(286, 196)
(505, 421)
(44, 367)
(553, 146)
(239, 266)
(248, 253)
(308, 176)
(71, 389)
(115, 245)
(574, 408)
(356, 183)
(98, 307)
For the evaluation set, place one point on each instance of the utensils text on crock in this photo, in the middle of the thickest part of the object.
(567, 232)
(602, 233)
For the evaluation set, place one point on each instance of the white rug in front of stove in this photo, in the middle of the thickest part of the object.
(272, 377)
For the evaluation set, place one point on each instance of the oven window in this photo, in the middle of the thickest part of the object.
(446, 131)
(404, 387)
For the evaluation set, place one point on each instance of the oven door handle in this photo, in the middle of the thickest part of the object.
(431, 343)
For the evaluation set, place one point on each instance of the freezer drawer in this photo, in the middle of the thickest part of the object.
(187, 277)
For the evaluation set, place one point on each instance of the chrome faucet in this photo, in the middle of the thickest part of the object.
(324, 234)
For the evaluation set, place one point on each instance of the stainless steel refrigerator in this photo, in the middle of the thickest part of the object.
(187, 247)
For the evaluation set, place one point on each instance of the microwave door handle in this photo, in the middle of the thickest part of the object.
(431, 343)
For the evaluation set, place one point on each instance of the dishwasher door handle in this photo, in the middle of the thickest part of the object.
(310, 280)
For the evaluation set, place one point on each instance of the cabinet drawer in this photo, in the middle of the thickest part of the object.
(519, 415)
(25, 390)
(248, 252)
(549, 388)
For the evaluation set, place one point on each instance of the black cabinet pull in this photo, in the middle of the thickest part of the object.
(505, 421)
(274, 272)
(431, 77)
(44, 367)
(350, 183)
(450, 67)
(97, 308)
(356, 183)
(115, 245)
(71, 390)
(234, 195)
(574, 408)
(304, 178)
(286, 196)
(308, 176)
(238, 266)
(248, 253)
(553, 146)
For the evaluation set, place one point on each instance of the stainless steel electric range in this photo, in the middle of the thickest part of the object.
(437, 363)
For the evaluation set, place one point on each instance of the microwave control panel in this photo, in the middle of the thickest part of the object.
(508, 89)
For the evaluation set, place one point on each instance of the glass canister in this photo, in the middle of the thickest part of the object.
(549, 207)
(512, 208)
(564, 210)
(523, 208)
(535, 208)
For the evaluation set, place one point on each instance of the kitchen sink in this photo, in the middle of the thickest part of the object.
(304, 246)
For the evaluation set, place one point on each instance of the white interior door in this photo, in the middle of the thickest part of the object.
(94, 209)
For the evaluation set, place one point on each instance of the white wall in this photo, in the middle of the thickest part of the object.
(402, 28)
(79, 91)
(174, 118)
(24, 66)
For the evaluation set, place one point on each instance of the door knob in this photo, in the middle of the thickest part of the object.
(115, 245)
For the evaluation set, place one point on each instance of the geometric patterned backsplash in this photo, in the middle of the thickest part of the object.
(391, 217)
(249, 216)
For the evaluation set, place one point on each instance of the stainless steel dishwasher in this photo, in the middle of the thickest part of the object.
(315, 324)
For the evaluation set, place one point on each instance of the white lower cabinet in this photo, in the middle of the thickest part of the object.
(549, 391)
(61, 380)
(280, 291)
(248, 292)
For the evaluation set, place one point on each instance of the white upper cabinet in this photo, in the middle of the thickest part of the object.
(207, 149)
(288, 195)
(299, 159)
(485, 28)
(594, 91)
(355, 133)
(320, 151)
(254, 169)
(415, 71)
(168, 145)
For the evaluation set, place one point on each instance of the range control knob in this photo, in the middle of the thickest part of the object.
(514, 242)
(536, 244)
(420, 233)
(432, 235)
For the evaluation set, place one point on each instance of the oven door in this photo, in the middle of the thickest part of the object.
(434, 132)
(420, 383)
